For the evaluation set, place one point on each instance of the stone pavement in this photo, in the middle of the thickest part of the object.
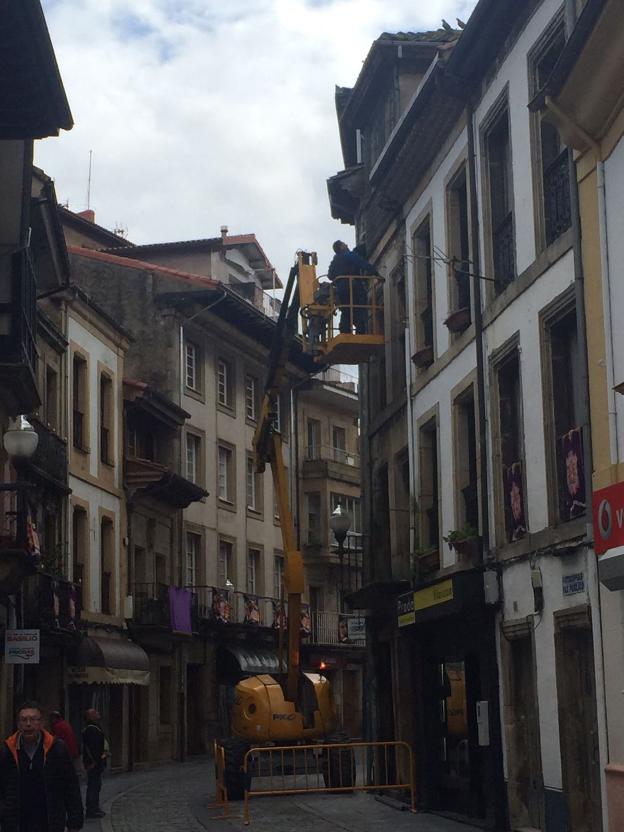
(176, 798)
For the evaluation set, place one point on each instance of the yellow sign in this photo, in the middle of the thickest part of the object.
(433, 595)
(405, 609)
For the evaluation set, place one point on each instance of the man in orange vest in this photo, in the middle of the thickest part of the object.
(39, 789)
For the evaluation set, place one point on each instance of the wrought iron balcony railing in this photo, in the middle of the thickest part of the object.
(51, 603)
(328, 453)
(557, 203)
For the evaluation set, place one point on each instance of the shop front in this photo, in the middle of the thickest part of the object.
(449, 630)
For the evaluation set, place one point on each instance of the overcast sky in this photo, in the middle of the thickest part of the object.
(202, 113)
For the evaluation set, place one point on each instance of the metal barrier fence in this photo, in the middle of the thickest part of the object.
(329, 768)
(221, 796)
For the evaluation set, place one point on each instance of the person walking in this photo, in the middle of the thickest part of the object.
(94, 754)
(345, 263)
(63, 730)
(39, 788)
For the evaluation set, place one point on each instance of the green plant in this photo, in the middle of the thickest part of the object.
(456, 536)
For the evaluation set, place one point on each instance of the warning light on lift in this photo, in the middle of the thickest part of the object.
(323, 666)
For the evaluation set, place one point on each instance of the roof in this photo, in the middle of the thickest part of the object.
(77, 292)
(254, 252)
(232, 308)
(88, 227)
(33, 103)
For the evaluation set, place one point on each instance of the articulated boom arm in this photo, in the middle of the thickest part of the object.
(267, 446)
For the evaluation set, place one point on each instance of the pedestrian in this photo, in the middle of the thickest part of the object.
(94, 754)
(63, 730)
(39, 788)
(346, 263)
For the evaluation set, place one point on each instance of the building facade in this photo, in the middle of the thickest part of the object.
(461, 195)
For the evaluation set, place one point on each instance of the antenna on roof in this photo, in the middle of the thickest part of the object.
(120, 230)
(89, 180)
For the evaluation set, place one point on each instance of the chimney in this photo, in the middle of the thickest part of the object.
(88, 215)
(224, 232)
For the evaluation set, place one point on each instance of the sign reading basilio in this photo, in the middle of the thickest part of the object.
(22, 646)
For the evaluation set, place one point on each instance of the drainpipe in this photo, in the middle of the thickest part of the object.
(478, 324)
(411, 451)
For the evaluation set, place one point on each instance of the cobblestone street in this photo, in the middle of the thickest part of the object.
(176, 797)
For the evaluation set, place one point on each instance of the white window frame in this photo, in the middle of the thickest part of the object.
(224, 464)
(253, 569)
(193, 457)
(252, 491)
(193, 549)
(224, 563)
(251, 393)
(224, 397)
(191, 368)
(348, 504)
(278, 575)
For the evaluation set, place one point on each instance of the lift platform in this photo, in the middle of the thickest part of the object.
(342, 320)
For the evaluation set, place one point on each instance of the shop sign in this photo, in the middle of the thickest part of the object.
(608, 514)
(356, 628)
(573, 584)
(433, 595)
(405, 609)
(22, 646)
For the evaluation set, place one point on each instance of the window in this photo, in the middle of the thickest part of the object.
(281, 417)
(224, 384)
(79, 400)
(192, 366)
(398, 324)
(313, 450)
(254, 487)
(498, 165)
(51, 403)
(164, 685)
(141, 440)
(193, 549)
(352, 506)
(510, 428)
(339, 443)
(251, 398)
(458, 244)
(551, 155)
(278, 575)
(106, 419)
(225, 474)
(107, 559)
(567, 445)
(225, 564)
(429, 487)
(193, 457)
(80, 555)
(402, 500)
(423, 275)
(253, 570)
(467, 496)
(313, 513)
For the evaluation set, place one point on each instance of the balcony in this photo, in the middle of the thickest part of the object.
(50, 458)
(224, 607)
(51, 603)
(151, 605)
(557, 205)
(18, 322)
(333, 463)
(503, 250)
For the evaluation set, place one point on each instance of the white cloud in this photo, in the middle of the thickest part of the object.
(201, 113)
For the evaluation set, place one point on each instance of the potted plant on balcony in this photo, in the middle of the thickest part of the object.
(464, 541)
(423, 357)
(459, 320)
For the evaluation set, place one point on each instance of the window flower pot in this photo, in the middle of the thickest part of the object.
(423, 357)
(459, 320)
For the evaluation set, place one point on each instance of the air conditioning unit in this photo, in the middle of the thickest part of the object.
(128, 606)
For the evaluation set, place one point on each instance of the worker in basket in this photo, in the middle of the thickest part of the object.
(346, 263)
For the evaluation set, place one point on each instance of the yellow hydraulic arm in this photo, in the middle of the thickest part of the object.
(267, 446)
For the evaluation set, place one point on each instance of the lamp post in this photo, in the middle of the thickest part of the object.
(340, 523)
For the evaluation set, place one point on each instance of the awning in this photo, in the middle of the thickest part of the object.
(252, 661)
(108, 661)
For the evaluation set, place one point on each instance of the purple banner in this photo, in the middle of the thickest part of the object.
(180, 610)
(572, 458)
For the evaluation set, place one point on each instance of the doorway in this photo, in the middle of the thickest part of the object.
(525, 787)
(195, 742)
(578, 723)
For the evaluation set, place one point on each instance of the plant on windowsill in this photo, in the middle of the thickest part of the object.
(426, 561)
(459, 320)
(423, 357)
(464, 541)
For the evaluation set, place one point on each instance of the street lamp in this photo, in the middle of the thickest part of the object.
(340, 523)
(20, 441)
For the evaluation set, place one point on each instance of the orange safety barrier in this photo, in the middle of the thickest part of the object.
(330, 768)
(221, 797)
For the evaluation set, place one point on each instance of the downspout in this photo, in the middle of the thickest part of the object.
(478, 324)
(411, 452)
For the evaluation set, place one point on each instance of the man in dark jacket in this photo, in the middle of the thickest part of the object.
(39, 789)
(94, 753)
(344, 263)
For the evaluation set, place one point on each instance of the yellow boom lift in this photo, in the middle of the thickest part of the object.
(294, 706)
